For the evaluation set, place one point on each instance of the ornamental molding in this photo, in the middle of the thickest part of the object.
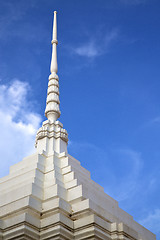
(51, 130)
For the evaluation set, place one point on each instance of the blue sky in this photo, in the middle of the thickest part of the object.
(108, 59)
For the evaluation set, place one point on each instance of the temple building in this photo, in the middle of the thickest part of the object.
(49, 195)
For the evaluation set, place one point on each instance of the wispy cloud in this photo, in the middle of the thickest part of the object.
(121, 167)
(12, 20)
(18, 124)
(132, 163)
(152, 221)
(95, 46)
(88, 49)
(155, 120)
(11, 14)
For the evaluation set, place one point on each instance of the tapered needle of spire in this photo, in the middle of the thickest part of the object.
(52, 111)
(54, 65)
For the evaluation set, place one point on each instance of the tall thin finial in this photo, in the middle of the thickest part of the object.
(52, 111)
(54, 65)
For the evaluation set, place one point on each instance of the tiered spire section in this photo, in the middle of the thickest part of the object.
(51, 137)
(52, 111)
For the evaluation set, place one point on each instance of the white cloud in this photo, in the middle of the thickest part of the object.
(88, 49)
(152, 221)
(95, 46)
(18, 124)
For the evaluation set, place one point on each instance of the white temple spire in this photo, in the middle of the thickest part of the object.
(52, 111)
(51, 137)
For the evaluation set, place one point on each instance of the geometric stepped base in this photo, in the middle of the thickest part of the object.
(53, 197)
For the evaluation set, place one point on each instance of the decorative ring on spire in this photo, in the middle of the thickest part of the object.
(54, 41)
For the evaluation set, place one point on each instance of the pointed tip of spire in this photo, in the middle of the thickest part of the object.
(54, 37)
(54, 66)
